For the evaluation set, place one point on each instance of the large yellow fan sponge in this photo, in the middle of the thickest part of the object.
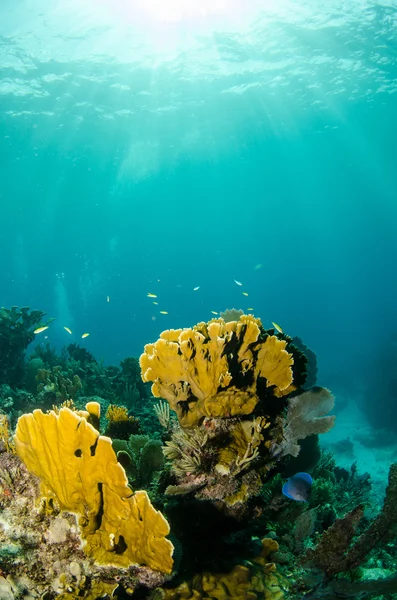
(78, 468)
(212, 369)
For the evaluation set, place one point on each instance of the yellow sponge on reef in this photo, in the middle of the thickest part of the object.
(212, 369)
(257, 579)
(79, 469)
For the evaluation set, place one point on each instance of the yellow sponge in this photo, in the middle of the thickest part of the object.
(212, 369)
(79, 469)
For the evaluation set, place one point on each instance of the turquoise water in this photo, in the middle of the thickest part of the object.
(163, 146)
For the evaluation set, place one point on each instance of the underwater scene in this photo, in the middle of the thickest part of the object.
(198, 291)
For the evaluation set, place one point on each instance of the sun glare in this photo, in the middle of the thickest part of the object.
(162, 25)
(179, 11)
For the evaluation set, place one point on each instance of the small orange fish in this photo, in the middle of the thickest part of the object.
(85, 335)
(40, 329)
(151, 295)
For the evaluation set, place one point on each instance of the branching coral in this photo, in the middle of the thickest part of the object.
(202, 457)
(56, 385)
(162, 410)
(215, 368)
(116, 414)
(78, 469)
(186, 451)
(120, 424)
(246, 437)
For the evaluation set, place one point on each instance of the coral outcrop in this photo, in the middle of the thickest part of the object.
(217, 369)
(258, 579)
(79, 471)
(236, 389)
(41, 554)
(240, 416)
(56, 386)
(335, 552)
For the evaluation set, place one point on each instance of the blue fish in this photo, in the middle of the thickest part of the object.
(298, 487)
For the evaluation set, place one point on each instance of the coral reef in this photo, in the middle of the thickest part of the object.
(131, 386)
(162, 410)
(334, 553)
(220, 369)
(120, 425)
(56, 386)
(311, 368)
(17, 326)
(119, 527)
(305, 417)
(258, 579)
(41, 555)
(118, 385)
(141, 458)
(235, 389)
(240, 416)
(6, 442)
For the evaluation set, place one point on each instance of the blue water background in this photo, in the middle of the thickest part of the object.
(263, 151)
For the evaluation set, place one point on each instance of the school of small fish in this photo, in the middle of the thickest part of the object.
(164, 312)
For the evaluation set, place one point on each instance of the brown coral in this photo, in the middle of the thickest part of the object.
(335, 552)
